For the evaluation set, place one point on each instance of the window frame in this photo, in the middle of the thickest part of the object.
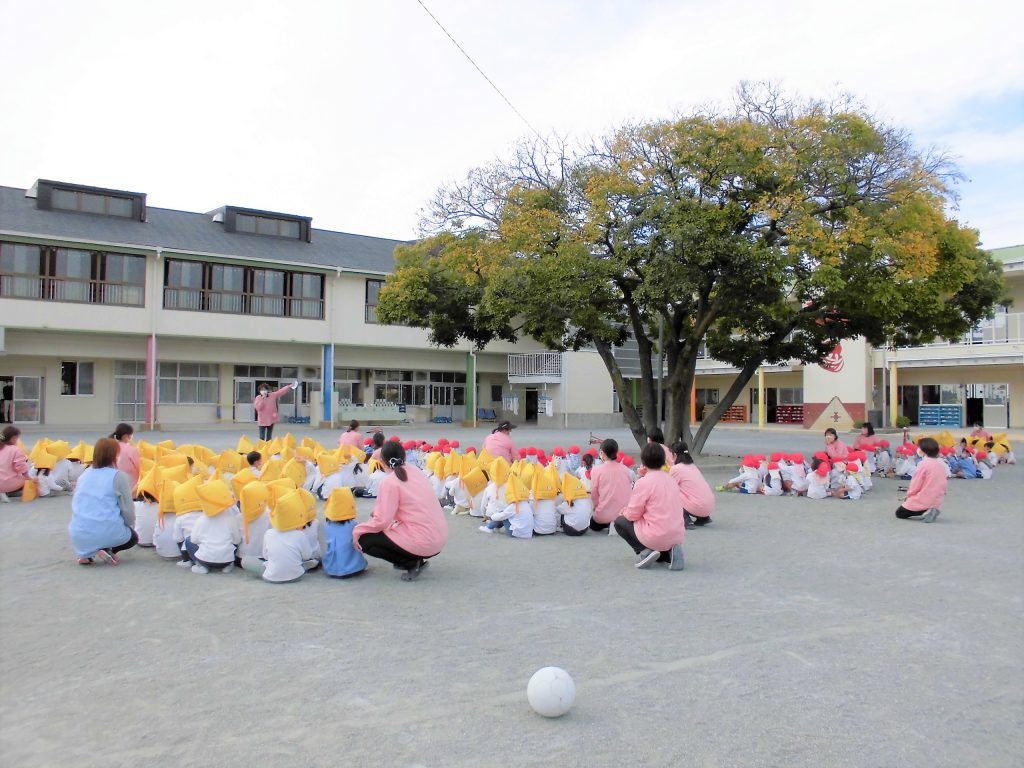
(78, 365)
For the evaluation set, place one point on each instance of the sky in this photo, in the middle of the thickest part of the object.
(354, 113)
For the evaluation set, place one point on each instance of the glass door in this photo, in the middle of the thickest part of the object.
(245, 393)
(28, 400)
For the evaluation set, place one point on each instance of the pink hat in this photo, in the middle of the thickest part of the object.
(522, 453)
(455, 443)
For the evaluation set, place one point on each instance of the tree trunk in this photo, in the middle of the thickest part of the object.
(707, 424)
(633, 421)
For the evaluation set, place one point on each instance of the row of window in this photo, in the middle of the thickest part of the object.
(71, 274)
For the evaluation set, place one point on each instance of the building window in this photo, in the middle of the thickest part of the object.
(205, 287)
(495, 393)
(396, 387)
(347, 383)
(372, 295)
(130, 390)
(188, 383)
(71, 275)
(90, 202)
(76, 378)
(268, 225)
(791, 395)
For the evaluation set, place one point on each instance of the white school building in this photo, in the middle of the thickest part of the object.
(111, 310)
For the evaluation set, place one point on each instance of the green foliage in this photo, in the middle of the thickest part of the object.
(765, 235)
(902, 422)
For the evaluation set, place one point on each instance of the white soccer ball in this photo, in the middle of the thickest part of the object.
(551, 691)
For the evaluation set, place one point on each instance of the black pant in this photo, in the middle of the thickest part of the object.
(379, 545)
(132, 541)
(903, 513)
(267, 433)
(568, 530)
(596, 526)
(627, 531)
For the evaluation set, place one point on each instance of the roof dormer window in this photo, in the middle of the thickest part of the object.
(252, 222)
(58, 196)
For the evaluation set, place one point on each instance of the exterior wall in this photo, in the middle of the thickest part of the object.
(989, 374)
(842, 386)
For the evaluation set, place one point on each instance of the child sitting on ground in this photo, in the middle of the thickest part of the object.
(749, 478)
(218, 532)
(287, 553)
(517, 515)
(818, 479)
(851, 488)
(928, 486)
(341, 558)
(576, 507)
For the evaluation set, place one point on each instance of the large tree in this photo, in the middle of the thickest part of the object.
(765, 234)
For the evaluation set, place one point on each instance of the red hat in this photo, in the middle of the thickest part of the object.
(945, 451)
(796, 458)
(760, 457)
(368, 441)
(471, 449)
(982, 454)
(558, 451)
(591, 452)
(773, 465)
(531, 451)
(396, 438)
(455, 443)
(442, 441)
(409, 445)
(628, 461)
(777, 455)
(427, 447)
(750, 461)
(522, 453)
(884, 443)
(823, 469)
(574, 449)
(821, 455)
(851, 467)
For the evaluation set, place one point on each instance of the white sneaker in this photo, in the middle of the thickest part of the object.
(612, 531)
(4, 498)
(228, 568)
(646, 557)
(931, 515)
(200, 568)
(486, 529)
(184, 563)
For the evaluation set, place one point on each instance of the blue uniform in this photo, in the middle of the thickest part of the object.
(96, 520)
(341, 558)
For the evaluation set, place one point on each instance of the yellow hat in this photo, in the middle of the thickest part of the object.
(295, 471)
(545, 486)
(304, 452)
(148, 450)
(374, 465)
(310, 501)
(186, 499)
(252, 500)
(167, 445)
(204, 454)
(274, 446)
(278, 488)
(215, 496)
(167, 489)
(289, 513)
(484, 459)
(287, 453)
(469, 457)
(229, 462)
(526, 473)
(45, 460)
(38, 449)
(499, 471)
(516, 490)
(245, 445)
(148, 483)
(59, 449)
(341, 505)
(309, 442)
(78, 452)
(178, 473)
(241, 479)
(452, 464)
(350, 453)
(144, 465)
(431, 462)
(172, 460)
(328, 463)
(289, 440)
(572, 488)
(475, 480)
(87, 454)
(271, 470)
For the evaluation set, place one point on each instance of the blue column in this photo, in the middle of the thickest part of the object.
(327, 386)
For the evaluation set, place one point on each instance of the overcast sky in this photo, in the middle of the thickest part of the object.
(354, 112)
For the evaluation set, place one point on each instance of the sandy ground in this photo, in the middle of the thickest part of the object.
(801, 633)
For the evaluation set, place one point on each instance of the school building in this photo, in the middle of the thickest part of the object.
(112, 310)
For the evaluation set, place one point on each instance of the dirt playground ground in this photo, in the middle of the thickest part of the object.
(801, 633)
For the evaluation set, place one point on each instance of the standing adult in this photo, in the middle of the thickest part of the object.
(265, 405)
(610, 487)
(351, 436)
(102, 513)
(129, 460)
(836, 449)
(408, 526)
(653, 523)
(13, 464)
(499, 442)
(7, 401)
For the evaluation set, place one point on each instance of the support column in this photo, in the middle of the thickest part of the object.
(894, 399)
(470, 414)
(327, 384)
(151, 381)
(762, 416)
(693, 401)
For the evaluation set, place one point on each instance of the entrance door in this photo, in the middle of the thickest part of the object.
(996, 412)
(441, 401)
(531, 405)
(245, 393)
(28, 405)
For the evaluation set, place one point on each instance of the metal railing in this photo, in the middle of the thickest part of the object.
(535, 364)
(201, 300)
(1002, 329)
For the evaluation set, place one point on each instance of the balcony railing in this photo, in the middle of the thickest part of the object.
(203, 300)
(1002, 329)
(535, 366)
(73, 290)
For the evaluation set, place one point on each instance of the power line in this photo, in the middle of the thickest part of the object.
(483, 74)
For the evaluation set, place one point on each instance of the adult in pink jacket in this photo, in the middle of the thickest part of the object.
(408, 526)
(698, 498)
(129, 460)
(835, 448)
(610, 487)
(265, 406)
(499, 442)
(652, 523)
(351, 436)
(928, 486)
(13, 463)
